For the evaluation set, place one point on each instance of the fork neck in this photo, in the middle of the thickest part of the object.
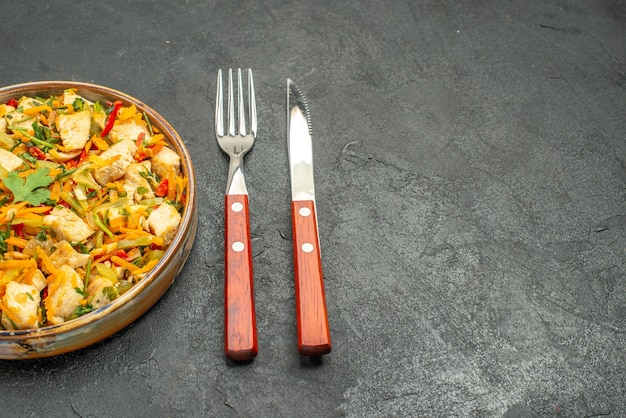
(236, 183)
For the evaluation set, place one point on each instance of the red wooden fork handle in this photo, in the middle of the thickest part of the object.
(311, 314)
(240, 335)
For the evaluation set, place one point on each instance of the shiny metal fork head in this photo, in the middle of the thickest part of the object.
(235, 143)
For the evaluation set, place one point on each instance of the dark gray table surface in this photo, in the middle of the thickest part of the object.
(470, 171)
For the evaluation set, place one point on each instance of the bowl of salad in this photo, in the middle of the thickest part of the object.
(97, 214)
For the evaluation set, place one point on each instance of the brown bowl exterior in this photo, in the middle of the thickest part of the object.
(109, 319)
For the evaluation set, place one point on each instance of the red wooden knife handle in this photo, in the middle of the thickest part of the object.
(240, 336)
(311, 314)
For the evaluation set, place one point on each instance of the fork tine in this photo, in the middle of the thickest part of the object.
(231, 104)
(219, 106)
(240, 106)
(252, 103)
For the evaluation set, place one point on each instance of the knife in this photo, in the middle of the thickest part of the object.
(311, 313)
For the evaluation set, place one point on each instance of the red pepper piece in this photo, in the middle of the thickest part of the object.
(122, 254)
(140, 156)
(12, 102)
(111, 120)
(161, 189)
(140, 138)
(36, 152)
(83, 157)
(19, 230)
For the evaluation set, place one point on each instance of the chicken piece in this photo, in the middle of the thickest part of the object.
(116, 218)
(125, 149)
(21, 302)
(65, 254)
(9, 161)
(163, 222)
(74, 129)
(70, 96)
(18, 119)
(26, 102)
(101, 291)
(128, 129)
(67, 225)
(4, 110)
(164, 161)
(134, 182)
(62, 297)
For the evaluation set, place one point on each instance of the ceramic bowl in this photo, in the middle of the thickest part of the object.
(109, 319)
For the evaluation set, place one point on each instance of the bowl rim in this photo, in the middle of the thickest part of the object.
(189, 217)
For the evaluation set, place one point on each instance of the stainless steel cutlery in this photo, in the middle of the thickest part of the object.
(240, 333)
(311, 313)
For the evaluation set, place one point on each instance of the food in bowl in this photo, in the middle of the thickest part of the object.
(91, 196)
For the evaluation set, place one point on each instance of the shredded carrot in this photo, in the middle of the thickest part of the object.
(123, 263)
(16, 242)
(11, 264)
(36, 209)
(171, 186)
(102, 162)
(30, 273)
(100, 143)
(129, 231)
(157, 147)
(37, 109)
(45, 261)
(55, 193)
(180, 184)
(146, 268)
(13, 208)
(68, 186)
(26, 173)
(157, 138)
(53, 283)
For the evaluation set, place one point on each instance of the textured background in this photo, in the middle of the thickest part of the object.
(470, 170)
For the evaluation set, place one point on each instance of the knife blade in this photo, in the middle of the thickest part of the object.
(311, 313)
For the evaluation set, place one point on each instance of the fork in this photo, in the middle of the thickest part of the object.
(240, 335)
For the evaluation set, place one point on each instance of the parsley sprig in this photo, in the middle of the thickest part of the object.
(32, 189)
